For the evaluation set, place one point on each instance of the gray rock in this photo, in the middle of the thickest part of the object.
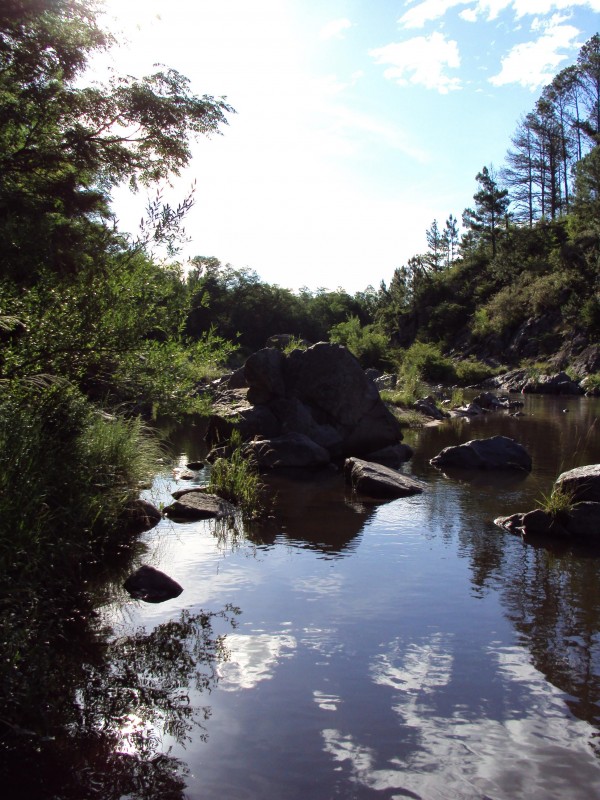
(377, 480)
(497, 452)
(151, 585)
(386, 381)
(330, 380)
(583, 520)
(583, 483)
(427, 406)
(264, 375)
(289, 450)
(199, 505)
(139, 516)
(391, 456)
(560, 383)
(321, 392)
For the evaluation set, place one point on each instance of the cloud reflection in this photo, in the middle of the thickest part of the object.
(253, 658)
(534, 747)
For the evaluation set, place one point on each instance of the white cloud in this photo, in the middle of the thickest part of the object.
(525, 7)
(431, 10)
(335, 29)
(469, 15)
(421, 61)
(533, 64)
(428, 10)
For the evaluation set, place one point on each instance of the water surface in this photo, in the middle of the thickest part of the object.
(391, 650)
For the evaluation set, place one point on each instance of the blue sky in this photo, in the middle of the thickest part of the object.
(358, 122)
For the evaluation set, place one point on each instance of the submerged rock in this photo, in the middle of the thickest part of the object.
(579, 519)
(497, 452)
(151, 585)
(377, 480)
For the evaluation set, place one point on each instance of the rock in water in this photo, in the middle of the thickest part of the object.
(151, 585)
(497, 452)
(377, 480)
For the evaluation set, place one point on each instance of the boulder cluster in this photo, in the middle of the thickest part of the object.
(306, 408)
(316, 407)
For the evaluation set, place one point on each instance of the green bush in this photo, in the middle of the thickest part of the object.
(426, 362)
(66, 471)
(471, 371)
(369, 345)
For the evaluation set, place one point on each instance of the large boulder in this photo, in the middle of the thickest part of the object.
(289, 450)
(583, 483)
(321, 392)
(263, 372)
(151, 585)
(379, 481)
(560, 383)
(497, 452)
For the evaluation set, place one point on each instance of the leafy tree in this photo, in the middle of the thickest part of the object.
(64, 145)
(88, 300)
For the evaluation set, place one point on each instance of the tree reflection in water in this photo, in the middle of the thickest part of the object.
(83, 715)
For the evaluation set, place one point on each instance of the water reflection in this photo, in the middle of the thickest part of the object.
(524, 745)
(316, 510)
(91, 711)
(253, 658)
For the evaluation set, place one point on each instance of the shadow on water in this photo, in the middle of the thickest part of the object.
(315, 510)
(84, 712)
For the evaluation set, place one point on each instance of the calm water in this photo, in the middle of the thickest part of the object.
(405, 649)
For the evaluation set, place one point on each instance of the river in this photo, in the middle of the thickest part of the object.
(407, 649)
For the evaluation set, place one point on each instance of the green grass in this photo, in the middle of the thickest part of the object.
(66, 471)
(237, 479)
(559, 501)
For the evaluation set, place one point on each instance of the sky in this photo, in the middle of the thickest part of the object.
(358, 122)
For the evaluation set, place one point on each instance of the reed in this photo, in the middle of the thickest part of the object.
(237, 479)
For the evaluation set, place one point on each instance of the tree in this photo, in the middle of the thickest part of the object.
(451, 239)
(93, 306)
(64, 145)
(436, 247)
(588, 64)
(491, 206)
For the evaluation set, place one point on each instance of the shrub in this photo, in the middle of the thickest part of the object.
(425, 361)
(472, 371)
(369, 345)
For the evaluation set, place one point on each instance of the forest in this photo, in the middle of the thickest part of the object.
(100, 336)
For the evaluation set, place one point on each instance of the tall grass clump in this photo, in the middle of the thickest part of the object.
(66, 471)
(558, 502)
(237, 479)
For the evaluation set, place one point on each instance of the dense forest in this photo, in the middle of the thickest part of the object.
(94, 326)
